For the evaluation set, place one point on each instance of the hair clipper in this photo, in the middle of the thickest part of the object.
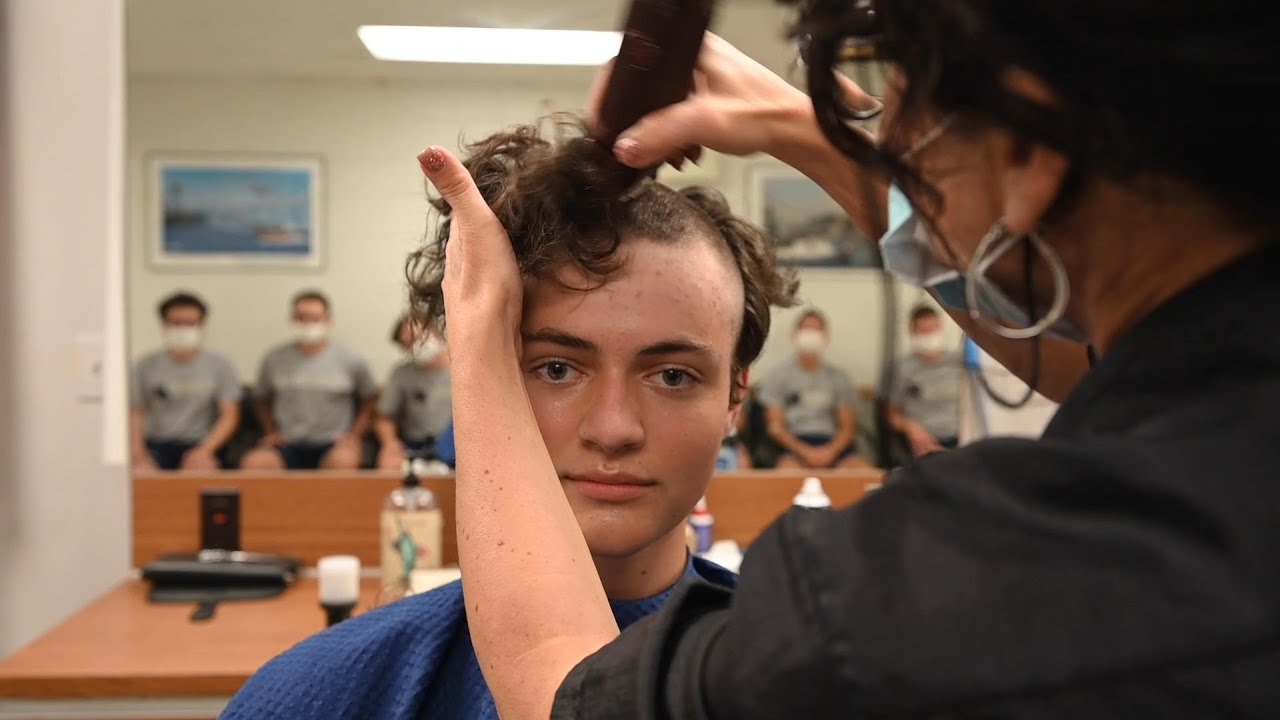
(654, 68)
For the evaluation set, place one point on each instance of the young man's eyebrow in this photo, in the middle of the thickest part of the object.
(561, 338)
(672, 346)
(677, 346)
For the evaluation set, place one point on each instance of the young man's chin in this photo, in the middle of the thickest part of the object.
(618, 536)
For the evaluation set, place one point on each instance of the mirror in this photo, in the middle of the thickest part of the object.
(271, 155)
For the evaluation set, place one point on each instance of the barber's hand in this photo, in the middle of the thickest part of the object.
(735, 109)
(738, 107)
(271, 440)
(482, 282)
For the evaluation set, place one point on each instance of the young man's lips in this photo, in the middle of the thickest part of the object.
(611, 487)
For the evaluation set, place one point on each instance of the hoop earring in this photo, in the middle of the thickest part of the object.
(994, 245)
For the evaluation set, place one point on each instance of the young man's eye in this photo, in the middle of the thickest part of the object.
(555, 372)
(675, 378)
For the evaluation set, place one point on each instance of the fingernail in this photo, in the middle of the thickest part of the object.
(627, 150)
(431, 160)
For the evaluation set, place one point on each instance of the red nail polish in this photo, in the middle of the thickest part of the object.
(626, 150)
(431, 160)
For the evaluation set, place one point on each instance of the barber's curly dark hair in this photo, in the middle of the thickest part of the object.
(1142, 86)
(551, 193)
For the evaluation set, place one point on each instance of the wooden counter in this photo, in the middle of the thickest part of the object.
(125, 650)
(122, 646)
(313, 514)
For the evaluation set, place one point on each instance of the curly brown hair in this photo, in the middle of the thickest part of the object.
(550, 191)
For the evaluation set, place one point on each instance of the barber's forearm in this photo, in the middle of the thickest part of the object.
(534, 601)
(802, 145)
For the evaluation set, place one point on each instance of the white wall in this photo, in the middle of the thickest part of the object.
(981, 416)
(64, 514)
(368, 135)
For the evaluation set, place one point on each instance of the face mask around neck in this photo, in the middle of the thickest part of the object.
(908, 255)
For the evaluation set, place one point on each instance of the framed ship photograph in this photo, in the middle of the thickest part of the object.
(215, 211)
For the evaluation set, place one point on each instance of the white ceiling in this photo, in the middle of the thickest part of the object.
(317, 38)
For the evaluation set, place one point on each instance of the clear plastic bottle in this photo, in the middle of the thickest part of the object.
(412, 531)
(703, 524)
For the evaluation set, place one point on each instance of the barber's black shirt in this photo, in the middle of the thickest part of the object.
(1126, 565)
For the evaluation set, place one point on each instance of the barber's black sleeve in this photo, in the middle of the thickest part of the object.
(1007, 572)
(755, 653)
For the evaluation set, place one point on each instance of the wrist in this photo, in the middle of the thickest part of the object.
(794, 136)
(475, 345)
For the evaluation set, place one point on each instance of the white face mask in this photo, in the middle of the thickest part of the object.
(810, 341)
(932, 343)
(181, 338)
(310, 333)
(427, 351)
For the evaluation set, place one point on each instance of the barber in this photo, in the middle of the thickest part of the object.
(1097, 173)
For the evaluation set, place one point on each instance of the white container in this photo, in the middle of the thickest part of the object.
(812, 496)
(339, 579)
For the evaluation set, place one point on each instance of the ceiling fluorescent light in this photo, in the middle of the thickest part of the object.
(491, 46)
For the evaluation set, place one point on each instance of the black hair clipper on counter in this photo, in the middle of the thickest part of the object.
(654, 69)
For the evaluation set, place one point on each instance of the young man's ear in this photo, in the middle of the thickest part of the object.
(737, 394)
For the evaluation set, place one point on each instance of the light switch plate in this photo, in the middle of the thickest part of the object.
(88, 368)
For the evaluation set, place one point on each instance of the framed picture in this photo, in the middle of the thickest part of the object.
(216, 211)
(811, 230)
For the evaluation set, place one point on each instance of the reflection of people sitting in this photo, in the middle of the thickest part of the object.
(415, 406)
(809, 404)
(734, 454)
(926, 394)
(306, 396)
(639, 320)
(185, 400)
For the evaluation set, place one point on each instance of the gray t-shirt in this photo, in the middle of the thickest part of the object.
(313, 397)
(810, 401)
(929, 393)
(181, 399)
(419, 400)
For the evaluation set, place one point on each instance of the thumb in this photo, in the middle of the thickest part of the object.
(663, 133)
(454, 184)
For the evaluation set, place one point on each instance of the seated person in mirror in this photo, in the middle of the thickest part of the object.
(809, 403)
(184, 400)
(415, 407)
(925, 405)
(315, 398)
